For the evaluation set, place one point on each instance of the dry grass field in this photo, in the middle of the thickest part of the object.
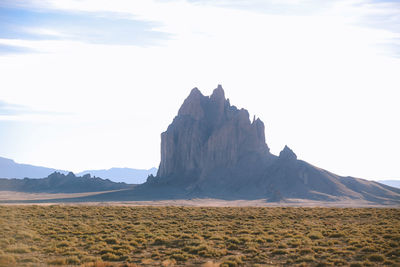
(209, 236)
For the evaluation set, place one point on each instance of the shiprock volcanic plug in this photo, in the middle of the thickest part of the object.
(213, 150)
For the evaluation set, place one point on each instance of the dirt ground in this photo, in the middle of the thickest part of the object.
(6, 196)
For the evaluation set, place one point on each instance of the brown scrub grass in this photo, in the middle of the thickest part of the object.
(68, 235)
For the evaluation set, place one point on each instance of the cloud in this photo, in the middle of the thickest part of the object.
(12, 109)
(281, 7)
(11, 112)
(14, 49)
(381, 15)
(29, 23)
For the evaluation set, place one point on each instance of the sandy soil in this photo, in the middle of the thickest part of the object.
(11, 195)
(15, 196)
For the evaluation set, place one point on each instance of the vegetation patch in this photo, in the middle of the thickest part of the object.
(102, 236)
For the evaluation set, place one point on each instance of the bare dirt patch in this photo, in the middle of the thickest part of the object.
(13, 196)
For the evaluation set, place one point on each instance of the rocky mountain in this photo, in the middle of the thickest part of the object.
(60, 183)
(125, 175)
(212, 149)
(210, 135)
(10, 169)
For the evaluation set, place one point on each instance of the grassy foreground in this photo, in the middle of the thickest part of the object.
(137, 236)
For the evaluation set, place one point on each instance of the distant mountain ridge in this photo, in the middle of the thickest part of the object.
(60, 183)
(10, 169)
(392, 183)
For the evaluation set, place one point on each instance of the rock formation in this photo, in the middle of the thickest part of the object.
(60, 183)
(212, 149)
(207, 135)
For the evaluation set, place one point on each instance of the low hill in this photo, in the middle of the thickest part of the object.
(11, 169)
(126, 175)
(60, 183)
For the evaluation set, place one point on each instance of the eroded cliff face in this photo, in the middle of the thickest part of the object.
(208, 134)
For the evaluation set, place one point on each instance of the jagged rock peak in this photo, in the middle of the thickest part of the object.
(256, 121)
(209, 134)
(195, 92)
(192, 105)
(218, 94)
(196, 105)
(287, 154)
(56, 175)
(71, 174)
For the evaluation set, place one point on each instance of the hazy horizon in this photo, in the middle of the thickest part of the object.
(89, 85)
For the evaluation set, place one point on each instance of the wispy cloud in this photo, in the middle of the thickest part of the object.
(9, 111)
(13, 109)
(281, 7)
(32, 23)
(14, 49)
(381, 15)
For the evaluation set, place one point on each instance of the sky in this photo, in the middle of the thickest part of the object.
(91, 84)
